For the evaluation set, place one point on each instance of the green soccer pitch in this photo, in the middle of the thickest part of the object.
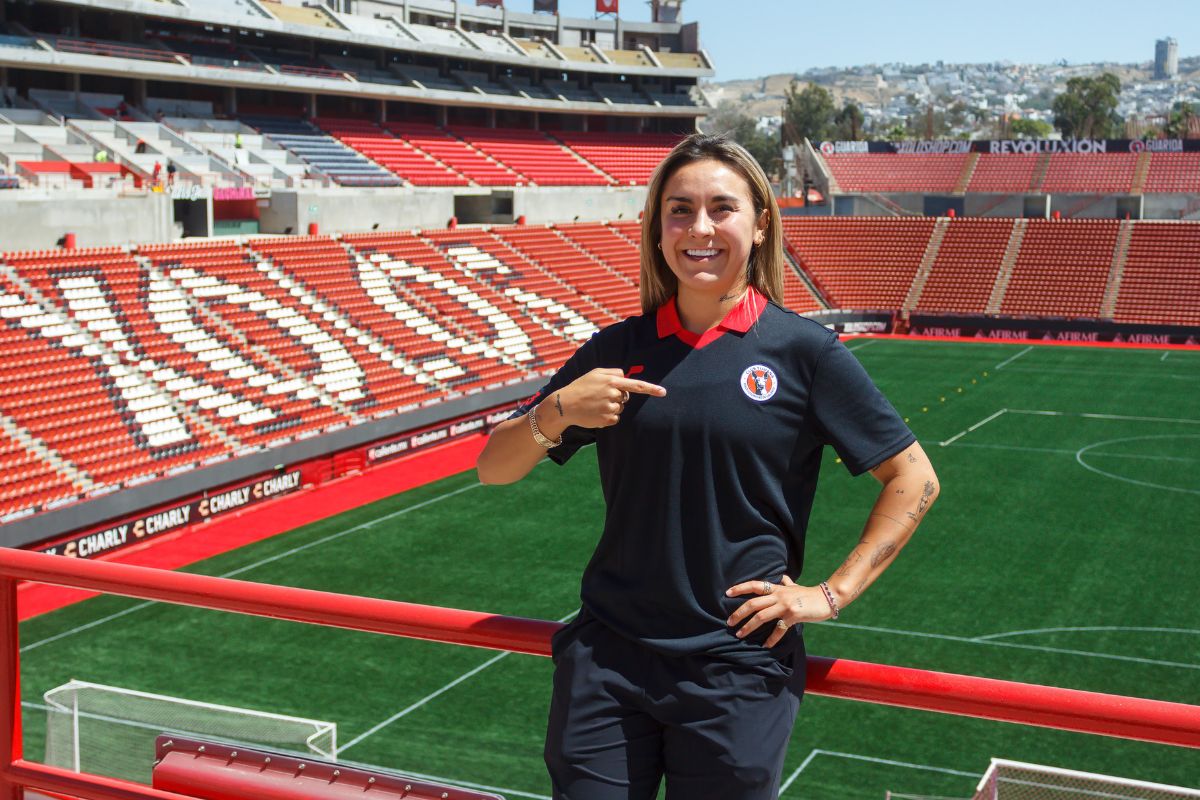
(1062, 551)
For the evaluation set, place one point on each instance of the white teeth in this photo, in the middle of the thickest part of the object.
(701, 253)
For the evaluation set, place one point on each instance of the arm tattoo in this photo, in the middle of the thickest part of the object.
(558, 404)
(857, 590)
(882, 553)
(926, 493)
(901, 523)
(849, 563)
(912, 459)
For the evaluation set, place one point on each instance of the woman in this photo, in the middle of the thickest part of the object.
(709, 413)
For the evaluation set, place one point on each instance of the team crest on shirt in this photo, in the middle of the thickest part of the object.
(759, 382)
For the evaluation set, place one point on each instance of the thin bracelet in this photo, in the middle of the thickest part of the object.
(829, 598)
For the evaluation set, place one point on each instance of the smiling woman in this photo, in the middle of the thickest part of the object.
(686, 660)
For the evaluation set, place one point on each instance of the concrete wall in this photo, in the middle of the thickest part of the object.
(1171, 206)
(991, 205)
(96, 217)
(348, 211)
(553, 204)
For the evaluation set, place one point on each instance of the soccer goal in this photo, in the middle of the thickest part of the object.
(106, 730)
(1014, 780)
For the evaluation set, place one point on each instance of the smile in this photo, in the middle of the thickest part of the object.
(701, 253)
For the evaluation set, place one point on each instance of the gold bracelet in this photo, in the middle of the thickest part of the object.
(537, 434)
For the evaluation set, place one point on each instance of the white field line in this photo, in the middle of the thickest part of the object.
(1011, 359)
(1164, 355)
(1090, 628)
(979, 424)
(867, 343)
(1102, 416)
(1073, 452)
(406, 711)
(873, 760)
(993, 643)
(285, 554)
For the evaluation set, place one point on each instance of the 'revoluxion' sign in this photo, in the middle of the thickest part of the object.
(1015, 146)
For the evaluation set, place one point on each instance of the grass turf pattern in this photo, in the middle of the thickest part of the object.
(1061, 552)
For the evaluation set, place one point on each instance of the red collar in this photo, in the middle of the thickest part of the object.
(739, 319)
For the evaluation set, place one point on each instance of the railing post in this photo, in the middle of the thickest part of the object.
(10, 689)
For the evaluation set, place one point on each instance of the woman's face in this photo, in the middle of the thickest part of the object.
(708, 228)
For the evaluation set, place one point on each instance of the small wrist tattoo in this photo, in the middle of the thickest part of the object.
(558, 404)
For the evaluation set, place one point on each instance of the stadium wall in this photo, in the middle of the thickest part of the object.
(379, 441)
(355, 211)
(96, 216)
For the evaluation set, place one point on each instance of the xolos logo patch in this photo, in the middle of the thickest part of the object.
(759, 382)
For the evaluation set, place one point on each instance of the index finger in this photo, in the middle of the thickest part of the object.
(639, 387)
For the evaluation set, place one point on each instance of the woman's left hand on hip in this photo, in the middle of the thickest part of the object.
(780, 605)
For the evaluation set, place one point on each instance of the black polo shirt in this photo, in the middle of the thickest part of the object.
(712, 485)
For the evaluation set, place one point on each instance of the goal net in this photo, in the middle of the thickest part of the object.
(1014, 780)
(106, 730)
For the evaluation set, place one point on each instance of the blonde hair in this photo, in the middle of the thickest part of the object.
(764, 269)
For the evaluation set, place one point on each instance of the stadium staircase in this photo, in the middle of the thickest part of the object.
(1141, 173)
(926, 266)
(968, 172)
(1117, 272)
(1004, 276)
(1039, 173)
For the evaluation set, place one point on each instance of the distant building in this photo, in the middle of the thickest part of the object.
(1166, 59)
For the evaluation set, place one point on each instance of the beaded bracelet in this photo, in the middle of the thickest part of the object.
(829, 598)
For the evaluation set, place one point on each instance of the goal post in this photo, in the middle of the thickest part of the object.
(1016, 780)
(110, 731)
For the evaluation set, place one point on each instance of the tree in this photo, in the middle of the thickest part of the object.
(744, 130)
(807, 114)
(1179, 120)
(1029, 129)
(849, 122)
(1088, 108)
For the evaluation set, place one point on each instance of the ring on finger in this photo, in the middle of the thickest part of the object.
(783, 626)
(624, 397)
(767, 587)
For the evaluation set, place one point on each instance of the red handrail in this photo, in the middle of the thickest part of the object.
(1046, 706)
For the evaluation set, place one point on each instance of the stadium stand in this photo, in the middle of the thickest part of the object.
(628, 157)
(1161, 277)
(1005, 173)
(343, 164)
(1015, 173)
(456, 155)
(1109, 173)
(534, 155)
(578, 267)
(881, 172)
(860, 262)
(968, 261)
(1062, 269)
(1173, 172)
(418, 167)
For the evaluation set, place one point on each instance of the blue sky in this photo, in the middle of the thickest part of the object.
(752, 38)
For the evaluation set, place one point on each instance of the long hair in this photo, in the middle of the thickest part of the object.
(764, 270)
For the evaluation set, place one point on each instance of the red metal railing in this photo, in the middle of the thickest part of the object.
(1065, 709)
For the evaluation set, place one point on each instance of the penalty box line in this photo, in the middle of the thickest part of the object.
(872, 760)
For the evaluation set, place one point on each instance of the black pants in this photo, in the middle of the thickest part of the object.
(623, 716)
